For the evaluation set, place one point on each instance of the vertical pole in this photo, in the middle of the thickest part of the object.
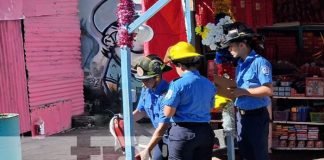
(229, 129)
(189, 5)
(127, 104)
(230, 135)
(230, 147)
(126, 75)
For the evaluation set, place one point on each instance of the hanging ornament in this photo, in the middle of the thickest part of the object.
(125, 14)
(144, 33)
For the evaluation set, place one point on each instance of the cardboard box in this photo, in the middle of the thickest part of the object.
(287, 94)
(314, 87)
(281, 94)
(281, 89)
(287, 89)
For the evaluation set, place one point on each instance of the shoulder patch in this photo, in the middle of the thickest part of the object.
(265, 70)
(169, 94)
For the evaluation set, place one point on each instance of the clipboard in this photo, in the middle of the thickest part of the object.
(223, 84)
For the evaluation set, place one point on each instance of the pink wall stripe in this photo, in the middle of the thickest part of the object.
(13, 84)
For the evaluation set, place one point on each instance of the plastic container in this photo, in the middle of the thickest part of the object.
(10, 145)
(303, 114)
(317, 117)
(280, 115)
(294, 114)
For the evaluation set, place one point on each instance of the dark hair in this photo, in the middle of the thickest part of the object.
(247, 40)
(154, 57)
(190, 62)
(219, 16)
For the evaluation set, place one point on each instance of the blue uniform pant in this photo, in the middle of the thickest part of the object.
(191, 142)
(253, 131)
(160, 151)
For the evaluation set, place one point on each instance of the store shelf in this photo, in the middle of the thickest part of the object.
(292, 122)
(295, 27)
(286, 148)
(315, 98)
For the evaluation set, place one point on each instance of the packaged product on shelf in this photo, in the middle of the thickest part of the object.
(317, 117)
(301, 144)
(293, 114)
(291, 136)
(283, 143)
(302, 113)
(302, 136)
(292, 144)
(301, 126)
(275, 142)
(314, 87)
(310, 144)
(284, 137)
(280, 115)
(285, 83)
(312, 135)
(313, 129)
(319, 144)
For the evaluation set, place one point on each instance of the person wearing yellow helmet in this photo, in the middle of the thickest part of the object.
(183, 53)
(149, 70)
(188, 103)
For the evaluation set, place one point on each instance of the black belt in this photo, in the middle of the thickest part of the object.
(187, 124)
(252, 112)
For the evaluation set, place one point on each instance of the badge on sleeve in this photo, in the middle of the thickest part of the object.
(265, 70)
(169, 94)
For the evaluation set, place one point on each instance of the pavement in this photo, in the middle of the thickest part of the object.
(96, 143)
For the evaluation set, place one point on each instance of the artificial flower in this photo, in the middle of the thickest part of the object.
(213, 35)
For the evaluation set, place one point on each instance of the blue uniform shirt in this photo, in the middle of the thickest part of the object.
(192, 96)
(151, 102)
(254, 72)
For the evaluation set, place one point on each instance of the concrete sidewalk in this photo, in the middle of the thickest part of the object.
(96, 143)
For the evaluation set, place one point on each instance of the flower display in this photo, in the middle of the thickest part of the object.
(213, 34)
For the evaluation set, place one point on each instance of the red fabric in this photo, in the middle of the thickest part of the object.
(119, 130)
(169, 28)
(204, 12)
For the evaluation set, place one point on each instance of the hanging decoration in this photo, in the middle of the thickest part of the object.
(211, 29)
(125, 14)
(222, 6)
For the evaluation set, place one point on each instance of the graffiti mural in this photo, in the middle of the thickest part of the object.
(101, 55)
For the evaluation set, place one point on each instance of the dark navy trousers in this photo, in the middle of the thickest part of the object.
(160, 151)
(190, 142)
(253, 131)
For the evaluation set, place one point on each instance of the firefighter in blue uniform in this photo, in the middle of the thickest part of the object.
(149, 71)
(254, 86)
(188, 102)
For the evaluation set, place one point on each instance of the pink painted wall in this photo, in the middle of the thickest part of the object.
(11, 9)
(53, 62)
(56, 117)
(13, 84)
(50, 87)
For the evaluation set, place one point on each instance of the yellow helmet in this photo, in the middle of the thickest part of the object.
(181, 51)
